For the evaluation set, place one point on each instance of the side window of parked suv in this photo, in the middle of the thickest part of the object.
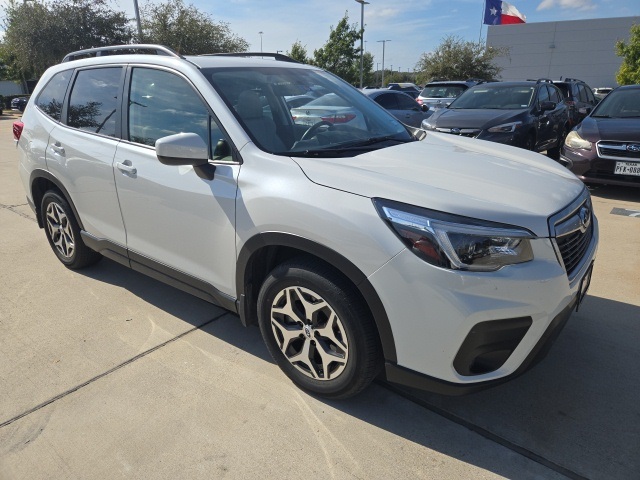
(52, 96)
(94, 100)
(543, 94)
(161, 104)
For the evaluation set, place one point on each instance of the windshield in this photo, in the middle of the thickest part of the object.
(443, 90)
(496, 96)
(337, 120)
(619, 104)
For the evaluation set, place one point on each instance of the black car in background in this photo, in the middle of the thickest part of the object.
(579, 98)
(400, 105)
(605, 147)
(19, 103)
(527, 114)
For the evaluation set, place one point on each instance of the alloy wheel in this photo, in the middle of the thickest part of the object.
(309, 333)
(59, 228)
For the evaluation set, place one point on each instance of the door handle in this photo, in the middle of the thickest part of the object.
(57, 148)
(126, 167)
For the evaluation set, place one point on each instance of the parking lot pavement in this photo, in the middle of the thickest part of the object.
(106, 373)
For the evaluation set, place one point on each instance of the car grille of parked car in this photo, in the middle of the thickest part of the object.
(463, 132)
(618, 150)
(574, 231)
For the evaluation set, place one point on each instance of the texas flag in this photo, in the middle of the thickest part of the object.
(501, 13)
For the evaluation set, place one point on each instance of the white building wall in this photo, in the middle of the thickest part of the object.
(583, 49)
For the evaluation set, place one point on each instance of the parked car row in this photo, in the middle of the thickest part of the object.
(529, 114)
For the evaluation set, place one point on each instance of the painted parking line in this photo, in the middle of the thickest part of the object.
(625, 212)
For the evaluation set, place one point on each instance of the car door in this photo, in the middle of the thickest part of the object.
(80, 153)
(180, 225)
(389, 101)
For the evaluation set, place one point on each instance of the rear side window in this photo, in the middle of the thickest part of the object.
(387, 100)
(51, 98)
(94, 100)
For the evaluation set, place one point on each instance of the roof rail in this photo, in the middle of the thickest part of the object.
(571, 80)
(102, 51)
(276, 56)
(544, 80)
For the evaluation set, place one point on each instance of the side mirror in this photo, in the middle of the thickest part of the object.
(425, 108)
(547, 106)
(584, 110)
(182, 149)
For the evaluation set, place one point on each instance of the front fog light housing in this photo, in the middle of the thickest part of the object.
(454, 242)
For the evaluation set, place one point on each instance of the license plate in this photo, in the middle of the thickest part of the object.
(627, 168)
(584, 286)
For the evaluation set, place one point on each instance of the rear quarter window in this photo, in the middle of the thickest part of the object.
(52, 95)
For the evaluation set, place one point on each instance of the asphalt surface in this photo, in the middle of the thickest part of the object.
(105, 373)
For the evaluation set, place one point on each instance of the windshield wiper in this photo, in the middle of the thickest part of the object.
(358, 145)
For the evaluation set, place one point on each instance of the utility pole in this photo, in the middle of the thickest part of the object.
(362, 4)
(384, 42)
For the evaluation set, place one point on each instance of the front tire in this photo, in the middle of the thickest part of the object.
(63, 232)
(318, 329)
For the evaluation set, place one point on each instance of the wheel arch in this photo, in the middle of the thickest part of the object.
(41, 181)
(261, 253)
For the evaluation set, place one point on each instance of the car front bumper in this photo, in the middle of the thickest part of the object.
(438, 318)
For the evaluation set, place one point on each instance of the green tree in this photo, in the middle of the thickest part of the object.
(629, 72)
(339, 55)
(39, 34)
(298, 52)
(187, 30)
(456, 59)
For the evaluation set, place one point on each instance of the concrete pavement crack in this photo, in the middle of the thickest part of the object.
(12, 208)
(108, 372)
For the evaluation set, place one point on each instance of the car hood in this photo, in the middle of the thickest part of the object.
(472, 118)
(457, 175)
(620, 129)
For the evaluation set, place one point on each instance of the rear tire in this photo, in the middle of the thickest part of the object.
(318, 329)
(63, 232)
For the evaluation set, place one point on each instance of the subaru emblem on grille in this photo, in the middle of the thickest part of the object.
(585, 217)
(455, 131)
(633, 147)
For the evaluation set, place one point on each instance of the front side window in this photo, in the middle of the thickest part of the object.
(94, 100)
(51, 98)
(161, 104)
(388, 101)
(406, 103)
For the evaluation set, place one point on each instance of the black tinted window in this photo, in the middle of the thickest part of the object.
(162, 104)
(51, 97)
(94, 100)
(543, 94)
(406, 103)
(555, 94)
(582, 94)
(387, 100)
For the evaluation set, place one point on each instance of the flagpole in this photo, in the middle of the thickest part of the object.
(484, 7)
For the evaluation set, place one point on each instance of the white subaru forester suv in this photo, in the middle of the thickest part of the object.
(360, 248)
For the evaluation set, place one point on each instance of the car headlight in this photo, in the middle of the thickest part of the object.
(425, 125)
(454, 242)
(505, 127)
(574, 140)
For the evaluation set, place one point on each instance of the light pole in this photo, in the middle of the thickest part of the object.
(137, 12)
(384, 42)
(260, 33)
(362, 4)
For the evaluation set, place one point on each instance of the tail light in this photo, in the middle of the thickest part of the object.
(419, 100)
(17, 130)
(340, 118)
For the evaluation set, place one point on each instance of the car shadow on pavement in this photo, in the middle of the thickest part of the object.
(611, 192)
(181, 305)
(578, 408)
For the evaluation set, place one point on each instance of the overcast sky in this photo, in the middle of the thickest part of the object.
(412, 27)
